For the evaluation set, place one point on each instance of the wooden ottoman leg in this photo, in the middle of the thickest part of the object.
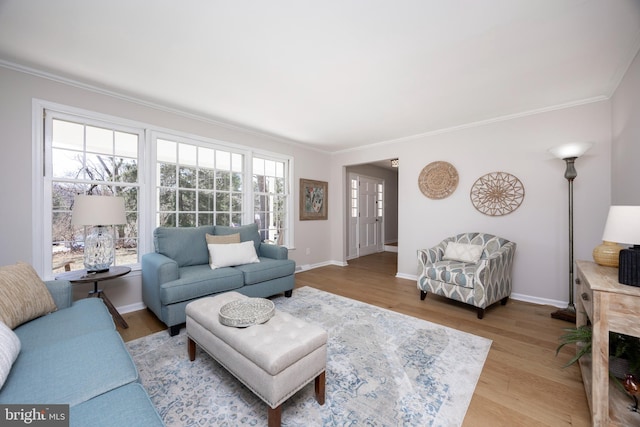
(275, 416)
(319, 385)
(192, 349)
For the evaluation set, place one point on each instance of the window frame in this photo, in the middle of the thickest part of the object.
(41, 195)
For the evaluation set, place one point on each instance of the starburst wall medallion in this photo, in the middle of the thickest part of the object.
(497, 193)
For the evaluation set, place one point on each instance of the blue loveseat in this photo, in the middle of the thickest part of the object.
(75, 356)
(178, 272)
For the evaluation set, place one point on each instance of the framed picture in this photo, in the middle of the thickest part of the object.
(314, 198)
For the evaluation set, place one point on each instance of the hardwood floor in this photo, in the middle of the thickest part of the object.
(523, 383)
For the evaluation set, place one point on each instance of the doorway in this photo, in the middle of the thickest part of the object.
(366, 215)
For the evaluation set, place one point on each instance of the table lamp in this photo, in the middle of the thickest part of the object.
(623, 226)
(99, 211)
(608, 253)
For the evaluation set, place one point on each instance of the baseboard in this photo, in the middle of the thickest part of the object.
(540, 301)
(131, 307)
(388, 248)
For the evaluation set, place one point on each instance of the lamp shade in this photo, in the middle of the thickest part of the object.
(98, 210)
(623, 225)
(572, 149)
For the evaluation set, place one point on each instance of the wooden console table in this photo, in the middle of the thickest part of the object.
(614, 307)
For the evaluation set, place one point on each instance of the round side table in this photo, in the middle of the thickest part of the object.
(81, 276)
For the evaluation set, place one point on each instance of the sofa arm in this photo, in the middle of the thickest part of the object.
(273, 251)
(429, 256)
(61, 292)
(156, 270)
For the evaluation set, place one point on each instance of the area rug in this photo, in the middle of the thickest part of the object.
(383, 369)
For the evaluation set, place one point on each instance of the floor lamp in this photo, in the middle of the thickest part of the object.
(569, 153)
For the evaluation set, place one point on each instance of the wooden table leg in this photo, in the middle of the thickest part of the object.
(192, 349)
(320, 386)
(275, 416)
(114, 313)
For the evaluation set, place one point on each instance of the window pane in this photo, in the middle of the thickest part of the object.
(187, 177)
(99, 140)
(67, 164)
(166, 199)
(67, 135)
(223, 160)
(223, 180)
(126, 170)
(126, 145)
(187, 200)
(187, 155)
(222, 202)
(236, 182)
(166, 151)
(205, 219)
(206, 179)
(205, 201)
(167, 174)
(186, 219)
(223, 219)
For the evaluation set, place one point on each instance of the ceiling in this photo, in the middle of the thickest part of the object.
(332, 74)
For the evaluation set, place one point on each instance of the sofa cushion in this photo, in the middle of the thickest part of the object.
(231, 254)
(70, 371)
(247, 232)
(463, 252)
(268, 269)
(185, 245)
(23, 296)
(452, 272)
(83, 317)
(198, 281)
(128, 405)
(9, 350)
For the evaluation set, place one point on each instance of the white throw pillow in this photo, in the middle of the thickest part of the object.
(463, 252)
(230, 254)
(9, 349)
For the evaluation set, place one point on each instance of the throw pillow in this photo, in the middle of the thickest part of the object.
(221, 240)
(463, 252)
(23, 296)
(9, 349)
(230, 254)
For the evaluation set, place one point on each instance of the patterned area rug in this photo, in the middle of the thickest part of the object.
(383, 369)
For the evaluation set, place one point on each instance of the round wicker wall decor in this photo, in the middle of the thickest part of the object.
(438, 180)
(497, 193)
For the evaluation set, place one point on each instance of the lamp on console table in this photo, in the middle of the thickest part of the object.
(623, 226)
(99, 211)
(569, 153)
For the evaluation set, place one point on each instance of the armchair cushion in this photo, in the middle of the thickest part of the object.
(463, 252)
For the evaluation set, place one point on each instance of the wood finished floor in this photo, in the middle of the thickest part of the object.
(523, 383)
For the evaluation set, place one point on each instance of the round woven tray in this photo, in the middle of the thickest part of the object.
(246, 312)
(438, 180)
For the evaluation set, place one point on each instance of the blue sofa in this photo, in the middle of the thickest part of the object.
(178, 272)
(75, 356)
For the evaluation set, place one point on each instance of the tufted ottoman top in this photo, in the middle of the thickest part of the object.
(274, 345)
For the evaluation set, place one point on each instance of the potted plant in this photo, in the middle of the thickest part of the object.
(581, 336)
(624, 350)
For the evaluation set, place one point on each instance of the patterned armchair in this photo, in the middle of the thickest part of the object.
(474, 268)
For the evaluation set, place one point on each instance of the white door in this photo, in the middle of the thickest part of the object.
(370, 216)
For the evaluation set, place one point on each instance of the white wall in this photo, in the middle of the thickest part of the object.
(18, 89)
(625, 188)
(517, 146)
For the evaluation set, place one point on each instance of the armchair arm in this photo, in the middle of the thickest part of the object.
(431, 255)
(61, 292)
(490, 283)
(273, 251)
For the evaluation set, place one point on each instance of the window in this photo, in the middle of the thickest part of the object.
(167, 179)
(89, 157)
(198, 185)
(271, 198)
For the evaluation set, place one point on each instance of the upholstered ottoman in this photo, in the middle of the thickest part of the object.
(274, 359)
